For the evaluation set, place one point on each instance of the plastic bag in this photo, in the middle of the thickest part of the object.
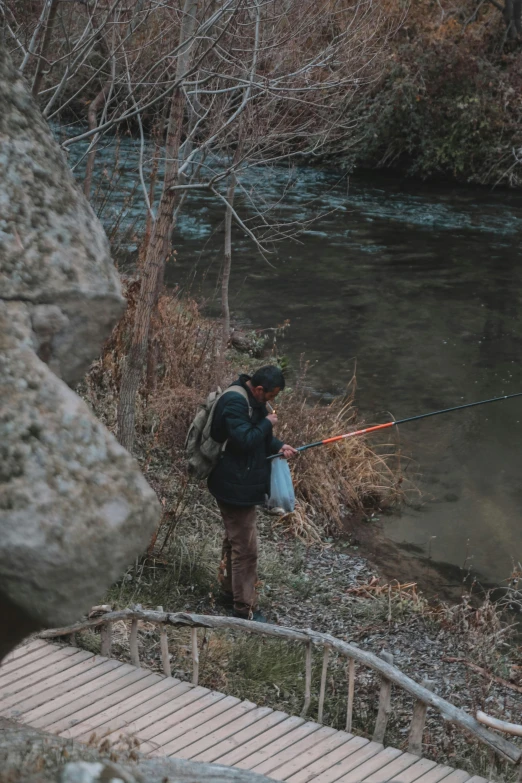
(281, 487)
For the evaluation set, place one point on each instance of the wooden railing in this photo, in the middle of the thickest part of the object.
(423, 694)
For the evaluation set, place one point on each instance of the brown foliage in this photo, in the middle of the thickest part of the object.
(449, 102)
(339, 479)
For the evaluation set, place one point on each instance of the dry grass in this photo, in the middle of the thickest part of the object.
(337, 480)
(181, 370)
(185, 364)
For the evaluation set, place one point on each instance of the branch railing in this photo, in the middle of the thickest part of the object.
(422, 694)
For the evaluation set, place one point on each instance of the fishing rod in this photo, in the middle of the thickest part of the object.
(399, 421)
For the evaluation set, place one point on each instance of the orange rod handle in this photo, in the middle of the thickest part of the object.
(360, 432)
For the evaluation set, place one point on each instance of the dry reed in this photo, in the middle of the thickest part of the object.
(340, 479)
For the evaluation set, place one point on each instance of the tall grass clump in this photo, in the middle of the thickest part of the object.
(336, 480)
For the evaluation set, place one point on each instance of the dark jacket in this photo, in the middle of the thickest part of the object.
(242, 474)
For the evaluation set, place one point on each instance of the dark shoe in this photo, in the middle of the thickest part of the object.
(256, 616)
(226, 600)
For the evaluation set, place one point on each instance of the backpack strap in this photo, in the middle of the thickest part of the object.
(243, 392)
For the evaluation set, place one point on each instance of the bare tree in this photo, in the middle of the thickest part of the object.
(159, 244)
(245, 84)
(49, 24)
(95, 105)
(512, 16)
(227, 260)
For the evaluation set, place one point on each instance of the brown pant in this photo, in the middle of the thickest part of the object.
(238, 570)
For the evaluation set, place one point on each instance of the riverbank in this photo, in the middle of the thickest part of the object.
(348, 491)
(330, 587)
(310, 575)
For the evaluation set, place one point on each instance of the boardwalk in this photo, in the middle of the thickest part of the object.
(75, 694)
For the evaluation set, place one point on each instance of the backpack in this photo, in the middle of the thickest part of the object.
(201, 449)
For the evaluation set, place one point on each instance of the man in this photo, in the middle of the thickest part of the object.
(241, 479)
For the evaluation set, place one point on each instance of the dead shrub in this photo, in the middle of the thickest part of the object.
(339, 479)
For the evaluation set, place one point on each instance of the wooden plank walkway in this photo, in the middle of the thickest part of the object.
(75, 694)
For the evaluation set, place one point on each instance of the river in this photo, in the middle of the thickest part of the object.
(417, 286)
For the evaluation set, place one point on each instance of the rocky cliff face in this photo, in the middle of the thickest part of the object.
(74, 507)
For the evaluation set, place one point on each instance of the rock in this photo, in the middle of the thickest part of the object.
(247, 343)
(53, 250)
(28, 755)
(97, 772)
(82, 772)
(75, 509)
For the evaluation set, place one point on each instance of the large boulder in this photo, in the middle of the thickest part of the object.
(28, 755)
(54, 254)
(74, 507)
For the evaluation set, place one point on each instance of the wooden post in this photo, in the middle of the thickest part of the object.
(324, 672)
(164, 647)
(418, 721)
(133, 644)
(351, 689)
(195, 655)
(308, 679)
(384, 703)
(106, 640)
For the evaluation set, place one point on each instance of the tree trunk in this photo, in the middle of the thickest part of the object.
(508, 14)
(36, 33)
(45, 47)
(92, 114)
(227, 263)
(102, 96)
(159, 246)
(92, 117)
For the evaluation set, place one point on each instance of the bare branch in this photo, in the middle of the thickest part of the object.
(41, 21)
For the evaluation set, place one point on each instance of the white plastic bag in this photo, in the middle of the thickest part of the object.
(281, 487)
